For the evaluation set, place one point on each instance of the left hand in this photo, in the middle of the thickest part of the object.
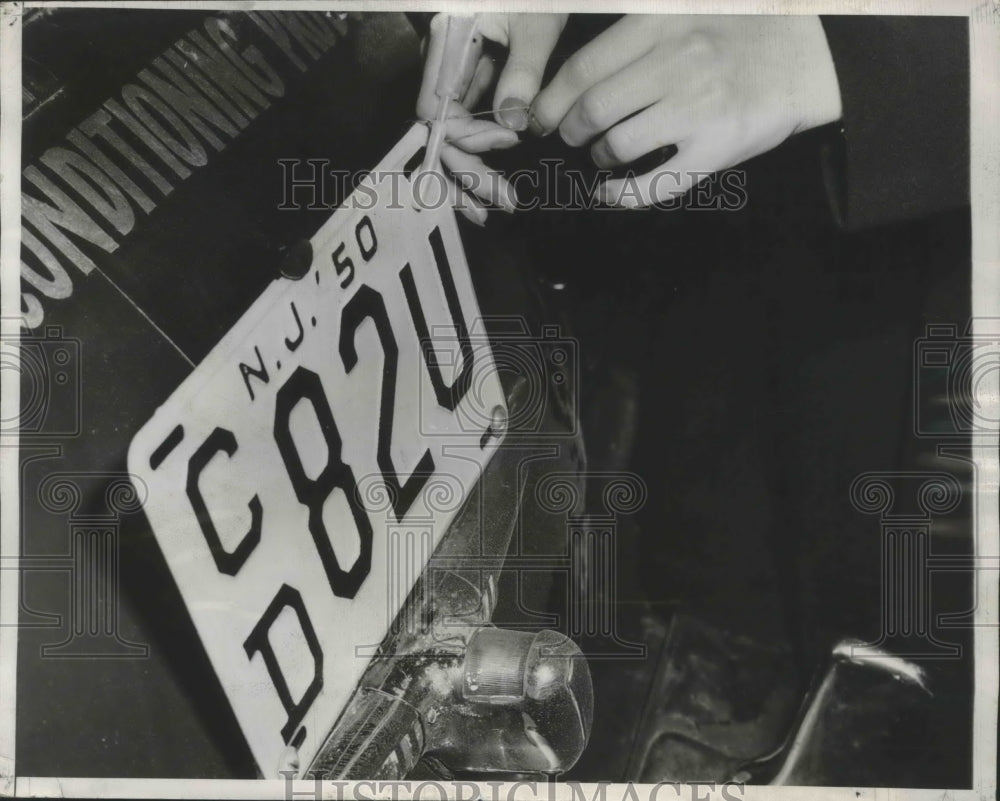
(530, 38)
(721, 88)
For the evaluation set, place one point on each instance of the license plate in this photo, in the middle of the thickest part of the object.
(300, 476)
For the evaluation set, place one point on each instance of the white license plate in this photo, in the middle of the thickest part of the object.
(298, 478)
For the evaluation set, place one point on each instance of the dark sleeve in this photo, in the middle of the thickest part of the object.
(904, 149)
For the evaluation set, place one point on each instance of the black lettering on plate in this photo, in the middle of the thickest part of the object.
(447, 397)
(368, 304)
(304, 384)
(293, 344)
(165, 448)
(260, 372)
(258, 642)
(227, 562)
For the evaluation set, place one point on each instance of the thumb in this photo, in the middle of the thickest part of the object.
(532, 39)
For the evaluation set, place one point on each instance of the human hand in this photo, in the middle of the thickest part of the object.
(721, 88)
(531, 38)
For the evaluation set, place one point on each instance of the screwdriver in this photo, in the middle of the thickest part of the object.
(461, 51)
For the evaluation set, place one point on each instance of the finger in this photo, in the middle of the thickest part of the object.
(481, 79)
(609, 52)
(471, 209)
(613, 99)
(478, 136)
(456, 111)
(532, 39)
(495, 27)
(466, 204)
(661, 124)
(479, 179)
(692, 164)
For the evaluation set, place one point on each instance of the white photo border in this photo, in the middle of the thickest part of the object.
(984, 47)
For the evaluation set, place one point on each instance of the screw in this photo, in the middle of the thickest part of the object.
(297, 260)
(498, 420)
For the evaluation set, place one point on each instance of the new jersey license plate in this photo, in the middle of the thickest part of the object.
(300, 476)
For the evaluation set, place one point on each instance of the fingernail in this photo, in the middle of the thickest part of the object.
(601, 195)
(535, 126)
(599, 154)
(513, 114)
(508, 200)
(614, 200)
(505, 143)
(473, 213)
